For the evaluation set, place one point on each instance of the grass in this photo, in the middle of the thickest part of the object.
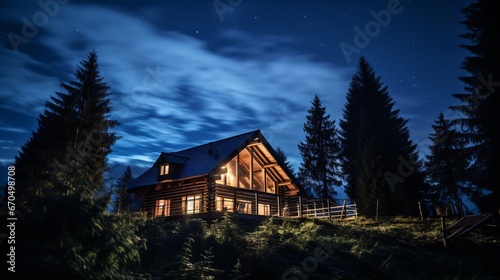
(387, 248)
(397, 248)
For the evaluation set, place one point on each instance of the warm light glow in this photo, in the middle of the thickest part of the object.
(162, 208)
(191, 204)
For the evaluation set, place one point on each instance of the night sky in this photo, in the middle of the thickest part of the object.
(183, 73)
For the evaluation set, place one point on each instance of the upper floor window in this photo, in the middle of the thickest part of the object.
(164, 168)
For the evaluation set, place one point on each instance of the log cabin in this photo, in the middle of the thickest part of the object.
(241, 174)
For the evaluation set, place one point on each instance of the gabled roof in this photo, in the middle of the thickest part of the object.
(206, 160)
(199, 160)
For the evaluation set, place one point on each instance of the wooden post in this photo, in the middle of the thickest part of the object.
(376, 211)
(420, 209)
(256, 204)
(279, 205)
(235, 205)
(329, 209)
(443, 228)
(315, 210)
(343, 213)
(300, 207)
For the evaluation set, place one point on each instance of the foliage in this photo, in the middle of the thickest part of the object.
(64, 225)
(319, 169)
(387, 248)
(446, 165)
(282, 156)
(375, 146)
(236, 273)
(225, 230)
(122, 198)
(481, 101)
(188, 268)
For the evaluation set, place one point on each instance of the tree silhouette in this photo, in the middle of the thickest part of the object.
(122, 200)
(375, 146)
(284, 159)
(446, 165)
(320, 151)
(481, 101)
(65, 230)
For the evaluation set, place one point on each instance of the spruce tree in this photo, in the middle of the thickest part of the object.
(481, 101)
(69, 121)
(65, 230)
(320, 151)
(446, 165)
(122, 200)
(376, 144)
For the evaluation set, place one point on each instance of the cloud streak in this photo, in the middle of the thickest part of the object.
(170, 90)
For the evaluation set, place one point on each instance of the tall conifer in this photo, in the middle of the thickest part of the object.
(446, 165)
(481, 101)
(378, 157)
(320, 151)
(65, 230)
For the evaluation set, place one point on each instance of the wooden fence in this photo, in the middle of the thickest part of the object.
(319, 208)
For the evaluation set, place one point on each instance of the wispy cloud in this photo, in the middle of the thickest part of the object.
(13, 129)
(168, 86)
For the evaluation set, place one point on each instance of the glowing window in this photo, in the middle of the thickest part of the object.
(164, 169)
(162, 208)
(191, 204)
(224, 204)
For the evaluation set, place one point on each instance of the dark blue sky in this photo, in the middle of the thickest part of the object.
(184, 73)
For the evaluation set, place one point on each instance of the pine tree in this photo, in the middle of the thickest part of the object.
(320, 151)
(69, 121)
(65, 229)
(282, 156)
(446, 165)
(122, 200)
(378, 157)
(481, 101)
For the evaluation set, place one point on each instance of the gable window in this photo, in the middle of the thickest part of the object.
(191, 204)
(162, 208)
(164, 169)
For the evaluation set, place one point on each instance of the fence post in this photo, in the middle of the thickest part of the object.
(329, 209)
(420, 209)
(300, 207)
(342, 214)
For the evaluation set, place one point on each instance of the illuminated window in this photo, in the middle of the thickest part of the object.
(271, 185)
(264, 209)
(191, 204)
(244, 207)
(224, 204)
(164, 169)
(162, 208)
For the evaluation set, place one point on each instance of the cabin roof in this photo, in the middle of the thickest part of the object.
(206, 160)
(203, 159)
